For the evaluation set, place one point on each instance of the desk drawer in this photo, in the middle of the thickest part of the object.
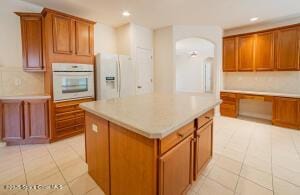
(205, 118)
(171, 140)
(228, 97)
(228, 109)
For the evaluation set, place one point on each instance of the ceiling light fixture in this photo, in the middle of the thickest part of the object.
(126, 13)
(253, 19)
(194, 54)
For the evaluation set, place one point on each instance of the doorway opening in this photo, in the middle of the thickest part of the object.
(195, 59)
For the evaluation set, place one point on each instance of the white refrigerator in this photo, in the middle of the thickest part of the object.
(115, 76)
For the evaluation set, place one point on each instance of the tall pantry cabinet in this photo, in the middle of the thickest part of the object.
(67, 39)
(55, 37)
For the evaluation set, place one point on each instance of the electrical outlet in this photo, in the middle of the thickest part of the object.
(18, 82)
(95, 128)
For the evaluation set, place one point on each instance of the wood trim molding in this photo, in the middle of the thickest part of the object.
(263, 31)
(45, 11)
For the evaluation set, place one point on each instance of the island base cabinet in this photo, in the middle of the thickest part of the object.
(133, 162)
(97, 151)
(203, 151)
(176, 168)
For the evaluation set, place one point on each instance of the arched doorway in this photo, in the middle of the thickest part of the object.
(194, 65)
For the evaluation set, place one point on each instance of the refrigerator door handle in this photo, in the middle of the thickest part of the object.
(117, 76)
(120, 77)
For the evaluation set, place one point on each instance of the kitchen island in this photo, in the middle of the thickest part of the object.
(149, 144)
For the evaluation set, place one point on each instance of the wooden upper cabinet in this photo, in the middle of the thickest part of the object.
(32, 48)
(176, 169)
(83, 38)
(229, 54)
(62, 34)
(285, 112)
(264, 51)
(288, 43)
(245, 52)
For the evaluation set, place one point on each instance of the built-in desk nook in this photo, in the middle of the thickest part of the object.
(285, 107)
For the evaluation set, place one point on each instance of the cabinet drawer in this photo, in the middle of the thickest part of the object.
(69, 115)
(228, 97)
(176, 137)
(228, 109)
(205, 118)
(64, 109)
(69, 122)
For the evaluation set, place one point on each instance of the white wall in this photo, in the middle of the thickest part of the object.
(13, 81)
(124, 38)
(105, 39)
(164, 67)
(190, 70)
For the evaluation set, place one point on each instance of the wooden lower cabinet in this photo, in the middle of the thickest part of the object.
(97, 155)
(24, 121)
(124, 162)
(67, 119)
(36, 121)
(203, 149)
(176, 168)
(230, 105)
(285, 112)
(12, 121)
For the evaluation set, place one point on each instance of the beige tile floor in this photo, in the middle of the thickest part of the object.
(249, 158)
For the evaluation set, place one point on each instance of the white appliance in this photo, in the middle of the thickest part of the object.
(115, 76)
(72, 81)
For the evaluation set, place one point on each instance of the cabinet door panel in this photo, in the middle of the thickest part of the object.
(83, 38)
(285, 112)
(12, 120)
(264, 51)
(97, 148)
(229, 54)
(204, 146)
(62, 35)
(288, 49)
(32, 42)
(176, 168)
(36, 119)
(245, 53)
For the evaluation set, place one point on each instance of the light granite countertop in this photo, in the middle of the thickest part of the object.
(23, 97)
(153, 115)
(263, 93)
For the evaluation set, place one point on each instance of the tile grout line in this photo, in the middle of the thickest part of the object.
(59, 171)
(239, 175)
(271, 138)
(23, 167)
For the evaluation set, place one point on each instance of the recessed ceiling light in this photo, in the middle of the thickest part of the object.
(253, 19)
(126, 13)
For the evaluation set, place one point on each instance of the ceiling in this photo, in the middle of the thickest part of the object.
(158, 13)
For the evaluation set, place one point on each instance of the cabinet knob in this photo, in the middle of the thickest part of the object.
(207, 117)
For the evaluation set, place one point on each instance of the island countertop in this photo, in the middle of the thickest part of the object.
(153, 115)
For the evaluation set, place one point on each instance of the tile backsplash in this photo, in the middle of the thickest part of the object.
(280, 82)
(14, 81)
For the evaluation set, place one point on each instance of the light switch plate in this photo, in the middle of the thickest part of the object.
(95, 128)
